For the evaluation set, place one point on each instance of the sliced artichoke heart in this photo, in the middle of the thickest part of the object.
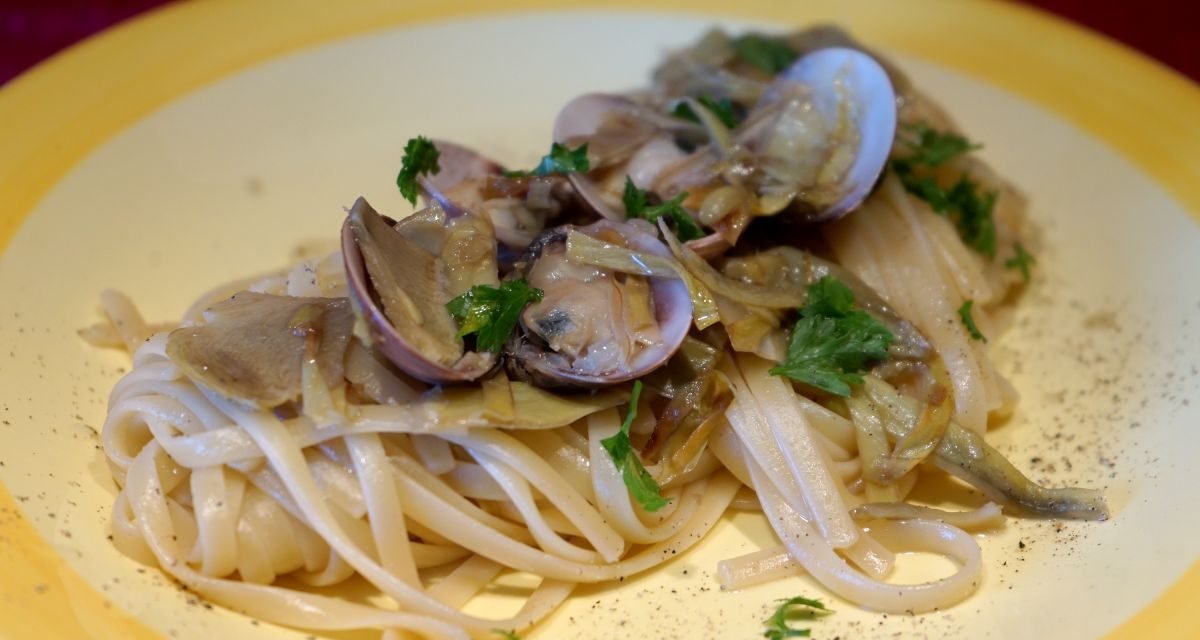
(409, 283)
(253, 348)
(467, 407)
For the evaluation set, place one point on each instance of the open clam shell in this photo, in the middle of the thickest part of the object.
(581, 119)
(849, 90)
(518, 206)
(655, 151)
(843, 82)
(529, 357)
(458, 164)
(401, 350)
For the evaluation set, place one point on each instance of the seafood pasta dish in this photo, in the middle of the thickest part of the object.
(764, 281)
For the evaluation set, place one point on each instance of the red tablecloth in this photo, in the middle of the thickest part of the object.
(1169, 30)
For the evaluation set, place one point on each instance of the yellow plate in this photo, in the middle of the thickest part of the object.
(204, 141)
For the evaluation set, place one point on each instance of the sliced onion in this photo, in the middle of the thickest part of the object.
(736, 290)
(720, 135)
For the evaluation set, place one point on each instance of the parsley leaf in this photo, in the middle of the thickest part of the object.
(634, 199)
(931, 147)
(769, 54)
(964, 313)
(972, 214)
(561, 159)
(1021, 260)
(640, 483)
(829, 297)
(506, 635)
(492, 312)
(967, 208)
(636, 207)
(722, 108)
(798, 608)
(420, 157)
(832, 343)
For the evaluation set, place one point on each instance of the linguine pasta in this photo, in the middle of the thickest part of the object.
(432, 492)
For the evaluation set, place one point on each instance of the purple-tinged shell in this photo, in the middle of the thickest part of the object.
(457, 164)
(528, 359)
(582, 117)
(828, 75)
(384, 336)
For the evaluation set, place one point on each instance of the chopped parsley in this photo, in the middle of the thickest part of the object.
(798, 608)
(1021, 260)
(420, 157)
(561, 159)
(832, 342)
(722, 108)
(962, 203)
(636, 206)
(634, 199)
(972, 214)
(772, 55)
(640, 483)
(931, 147)
(964, 313)
(506, 635)
(492, 312)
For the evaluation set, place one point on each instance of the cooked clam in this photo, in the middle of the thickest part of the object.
(830, 123)
(518, 207)
(401, 278)
(629, 139)
(813, 145)
(624, 138)
(711, 66)
(596, 327)
(460, 167)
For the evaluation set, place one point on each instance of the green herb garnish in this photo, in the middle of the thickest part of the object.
(420, 157)
(634, 199)
(970, 210)
(636, 206)
(561, 159)
(964, 313)
(832, 342)
(1021, 260)
(931, 147)
(492, 312)
(798, 608)
(722, 108)
(974, 218)
(640, 483)
(506, 635)
(769, 54)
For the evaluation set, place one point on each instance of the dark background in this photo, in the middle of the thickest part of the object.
(1169, 30)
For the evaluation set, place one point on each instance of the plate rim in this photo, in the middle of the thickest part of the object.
(150, 60)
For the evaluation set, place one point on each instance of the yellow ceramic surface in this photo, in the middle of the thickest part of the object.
(206, 140)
